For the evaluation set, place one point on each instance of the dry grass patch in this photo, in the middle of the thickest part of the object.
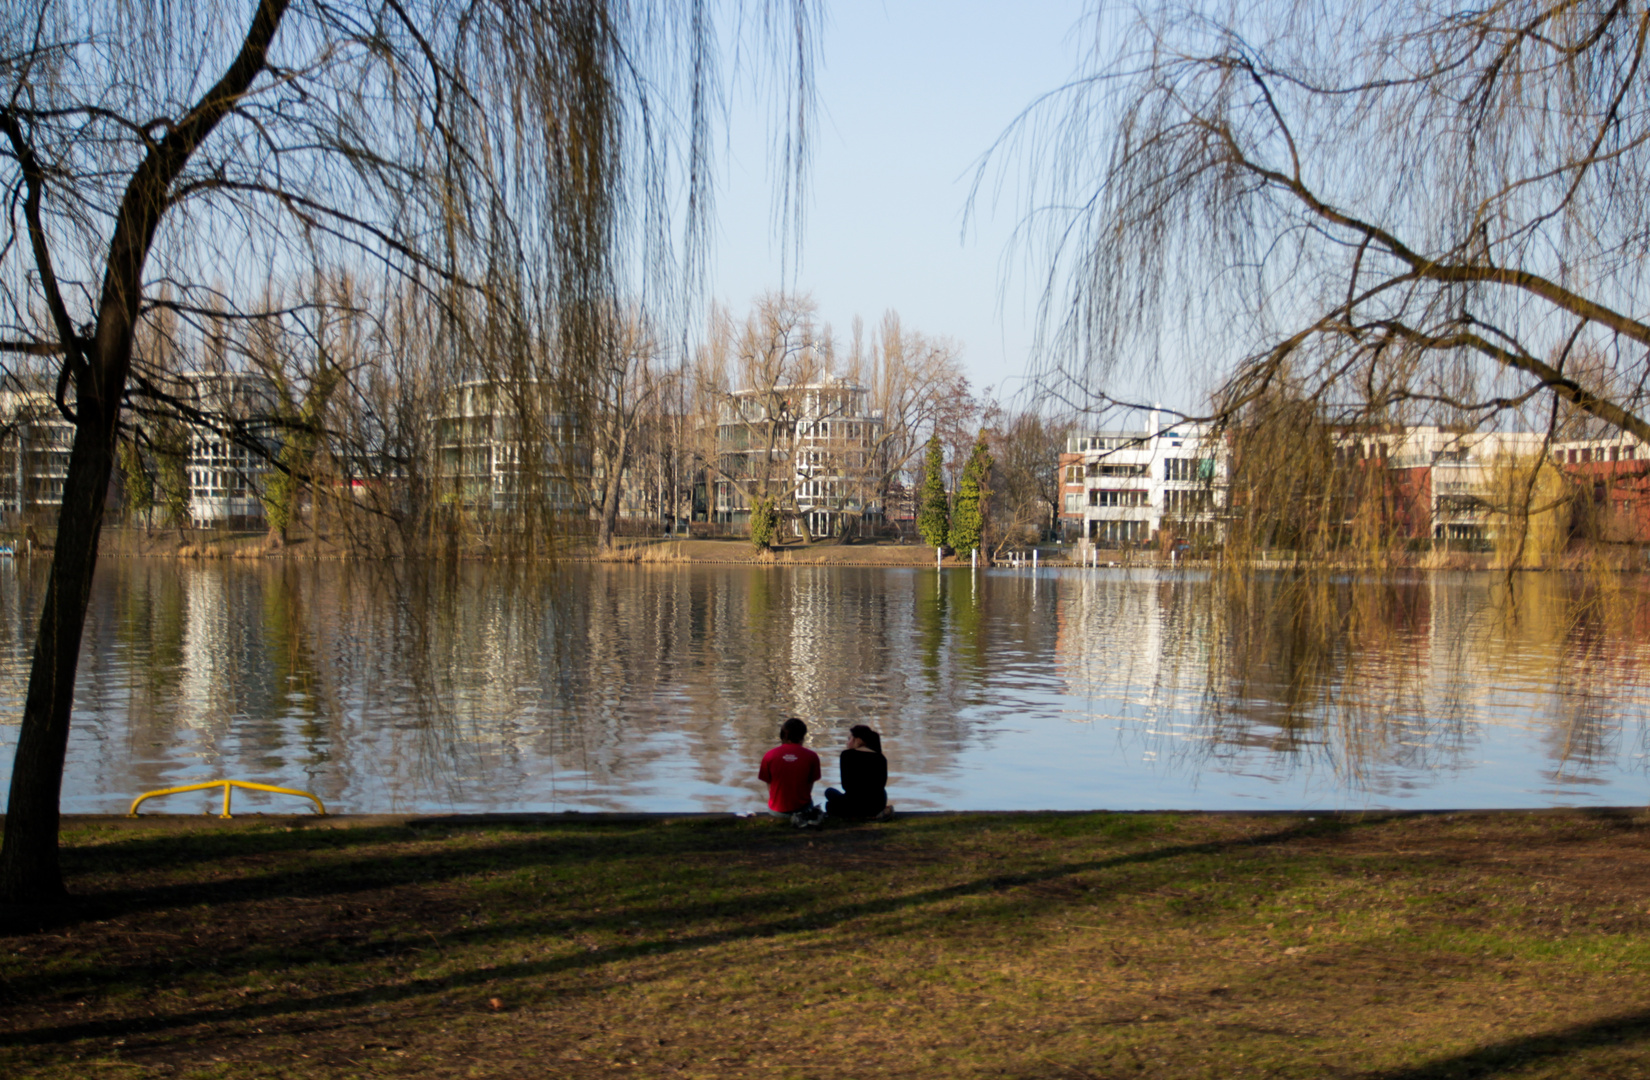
(960, 946)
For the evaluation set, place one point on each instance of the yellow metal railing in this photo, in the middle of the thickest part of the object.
(228, 786)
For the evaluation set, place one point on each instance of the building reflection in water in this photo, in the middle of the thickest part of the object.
(403, 687)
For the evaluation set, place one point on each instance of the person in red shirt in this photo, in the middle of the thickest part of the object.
(790, 770)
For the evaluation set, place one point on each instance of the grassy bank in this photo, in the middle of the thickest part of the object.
(734, 551)
(206, 544)
(1070, 946)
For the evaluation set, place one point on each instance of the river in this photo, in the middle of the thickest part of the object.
(431, 688)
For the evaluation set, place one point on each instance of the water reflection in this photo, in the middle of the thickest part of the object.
(400, 686)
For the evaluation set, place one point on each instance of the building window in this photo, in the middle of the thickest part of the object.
(1115, 533)
(1186, 502)
(1188, 468)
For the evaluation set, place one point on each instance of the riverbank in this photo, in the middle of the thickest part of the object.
(822, 553)
(955, 945)
(209, 545)
(191, 545)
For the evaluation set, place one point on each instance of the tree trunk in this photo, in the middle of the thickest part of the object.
(610, 497)
(29, 871)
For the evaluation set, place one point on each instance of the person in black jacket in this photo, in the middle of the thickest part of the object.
(864, 791)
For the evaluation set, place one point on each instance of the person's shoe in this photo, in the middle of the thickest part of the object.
(886, 813)
(809, 818)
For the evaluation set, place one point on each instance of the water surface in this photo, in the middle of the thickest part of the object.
(425, 688)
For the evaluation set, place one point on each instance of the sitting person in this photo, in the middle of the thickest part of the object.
(790, 770)
(864, 791)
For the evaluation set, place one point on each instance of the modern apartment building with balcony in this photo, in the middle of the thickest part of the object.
(497, 445)
(230, 454)
(1134, 488)
(819, 443)
(35, 439)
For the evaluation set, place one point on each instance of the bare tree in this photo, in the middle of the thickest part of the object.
(622, 396)
(504, 162)
(1395, 212)
(776, 352)
(915, 380)
(1026, 483)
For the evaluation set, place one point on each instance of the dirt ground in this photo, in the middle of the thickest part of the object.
(1398, 947)
(825, 552)
(207, 544)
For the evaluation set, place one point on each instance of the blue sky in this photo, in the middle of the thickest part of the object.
(910, 95)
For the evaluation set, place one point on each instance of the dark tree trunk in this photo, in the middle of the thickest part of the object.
(29, 871)
(28, 862)
(611, 494)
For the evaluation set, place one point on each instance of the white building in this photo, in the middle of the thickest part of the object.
(1453, 471)
(35, 439)
(821, 440)
(483, 462)
(229, 459)
(1132, 488)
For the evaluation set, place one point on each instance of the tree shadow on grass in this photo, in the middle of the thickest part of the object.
(777, 912)
(545, 846)
(1527, 1051)
(207, 852)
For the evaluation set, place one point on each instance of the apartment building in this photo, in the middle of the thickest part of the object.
(496, 444)
(1612, 476)
(1159, 484)
(35, 439)
(229, 458)
(222, 475)
(821, 441)
(1163, 484)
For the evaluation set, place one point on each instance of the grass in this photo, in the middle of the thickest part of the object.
(1075, 946)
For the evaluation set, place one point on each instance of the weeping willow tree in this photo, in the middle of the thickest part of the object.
(1336, 221)
(1403, 212)
(1534, 502)
(1387, 215)
(499, 166)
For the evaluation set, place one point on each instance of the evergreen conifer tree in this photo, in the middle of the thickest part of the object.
(764, 521)
(934, 512)
(968, 516)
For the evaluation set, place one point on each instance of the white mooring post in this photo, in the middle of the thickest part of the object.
(939, 556)
(1033, 559)
(974, 559)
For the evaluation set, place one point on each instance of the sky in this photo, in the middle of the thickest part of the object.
(911, 94)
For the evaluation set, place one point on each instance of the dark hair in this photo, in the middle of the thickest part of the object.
(793, 730)
(867, 736)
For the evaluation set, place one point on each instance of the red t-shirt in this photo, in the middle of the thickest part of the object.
(789, 770)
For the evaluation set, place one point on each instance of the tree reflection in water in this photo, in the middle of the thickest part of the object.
(436, 686)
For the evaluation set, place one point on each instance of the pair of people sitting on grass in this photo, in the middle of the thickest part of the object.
(790, 770)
